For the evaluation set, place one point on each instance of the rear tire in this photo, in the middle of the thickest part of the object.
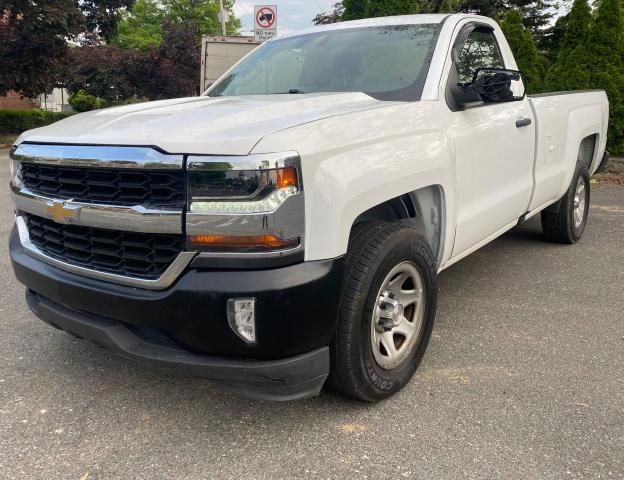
(389, 298)
(565, 222)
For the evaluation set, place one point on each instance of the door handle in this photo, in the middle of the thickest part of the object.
(523, 122)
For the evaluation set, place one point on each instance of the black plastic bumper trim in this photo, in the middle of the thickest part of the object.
(296, 305)
(279, 380)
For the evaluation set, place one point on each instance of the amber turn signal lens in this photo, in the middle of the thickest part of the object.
(250, 242)
(286, 177)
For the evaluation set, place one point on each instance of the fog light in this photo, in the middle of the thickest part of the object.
(242, 318)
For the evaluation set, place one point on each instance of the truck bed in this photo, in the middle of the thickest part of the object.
(562, 120)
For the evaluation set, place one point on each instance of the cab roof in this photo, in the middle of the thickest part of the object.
(379, 22)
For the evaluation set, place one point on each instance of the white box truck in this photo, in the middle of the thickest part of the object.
(221, 53)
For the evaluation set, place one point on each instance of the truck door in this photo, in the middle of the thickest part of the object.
(494, 145)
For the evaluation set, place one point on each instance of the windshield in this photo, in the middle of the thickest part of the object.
(389, 63)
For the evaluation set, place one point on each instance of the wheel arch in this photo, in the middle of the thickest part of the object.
(588, 151)
(424, 208)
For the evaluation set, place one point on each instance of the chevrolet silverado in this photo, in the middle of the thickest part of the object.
(287, 227)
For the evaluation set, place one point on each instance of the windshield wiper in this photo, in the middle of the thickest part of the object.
(292, 91)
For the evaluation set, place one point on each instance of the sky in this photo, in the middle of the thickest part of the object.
(292, 15)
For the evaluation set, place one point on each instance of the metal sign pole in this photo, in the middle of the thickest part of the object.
(222, 18)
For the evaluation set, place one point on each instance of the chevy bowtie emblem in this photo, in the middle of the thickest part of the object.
(62, 212)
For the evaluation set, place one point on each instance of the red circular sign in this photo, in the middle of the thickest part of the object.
(265, 18)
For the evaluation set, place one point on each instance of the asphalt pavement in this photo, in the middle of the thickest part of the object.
(524, 378)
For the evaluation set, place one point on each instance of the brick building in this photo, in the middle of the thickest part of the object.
(15, 100)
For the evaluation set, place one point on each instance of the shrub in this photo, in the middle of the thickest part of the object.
(18, 121)
(81, 101)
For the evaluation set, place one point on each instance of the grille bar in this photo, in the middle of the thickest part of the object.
(131, 254)
(123, 187)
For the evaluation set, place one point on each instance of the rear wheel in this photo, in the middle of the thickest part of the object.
(387, 310)
(565, 222)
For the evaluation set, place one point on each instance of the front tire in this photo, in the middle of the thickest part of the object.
(387, 310)
(565, 222)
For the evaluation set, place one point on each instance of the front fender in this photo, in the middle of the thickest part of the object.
(354, 162)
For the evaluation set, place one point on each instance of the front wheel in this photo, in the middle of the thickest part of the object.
(565, 222)
(387, 311)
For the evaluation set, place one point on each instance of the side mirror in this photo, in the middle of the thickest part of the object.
(492, 85)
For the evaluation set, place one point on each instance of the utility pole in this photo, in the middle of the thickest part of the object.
(223, 17)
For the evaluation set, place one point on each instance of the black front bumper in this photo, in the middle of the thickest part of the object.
(186, 327)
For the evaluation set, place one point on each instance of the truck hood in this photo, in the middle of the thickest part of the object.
(200, 125)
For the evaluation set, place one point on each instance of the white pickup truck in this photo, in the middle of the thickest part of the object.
(288, 226)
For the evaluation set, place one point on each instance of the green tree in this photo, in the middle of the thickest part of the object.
(102, 16)
(386, 8)
(594, 60)
(354, 9)
(81, 101)
(329, 17)
(33, 43)
(171, 70)
(536, 14)
(448, 6)
(552, 39)
(141, 28)
(201, 15)
(578, 24)
(604, 53)
(104, 71)
(524, 49)
(482, 7)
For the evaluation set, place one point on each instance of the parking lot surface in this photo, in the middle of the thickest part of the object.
(524, 378)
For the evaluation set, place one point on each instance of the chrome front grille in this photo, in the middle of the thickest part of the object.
(132, 254)
(127, 187)
(110, 213)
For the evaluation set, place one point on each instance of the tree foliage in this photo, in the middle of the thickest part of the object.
(33, 43)
(384, 8)
(578, 24)
(524, 49)
(103, 71)
(354, 9)
(141, 28)
(552, 39)
(332, 16)
(171, 70)
(448, 6)
(116, 74)
(120, 48)
(592, 57)
(81, 101)
(102, 16)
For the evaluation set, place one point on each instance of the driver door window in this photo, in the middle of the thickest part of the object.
(479, 51)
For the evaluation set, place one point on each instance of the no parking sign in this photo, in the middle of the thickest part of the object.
(265, 19)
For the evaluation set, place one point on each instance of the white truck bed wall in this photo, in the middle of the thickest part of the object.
(563, 121)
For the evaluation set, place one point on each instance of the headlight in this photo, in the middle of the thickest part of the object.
(251, 204)
(241, 191)
(14, 167)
